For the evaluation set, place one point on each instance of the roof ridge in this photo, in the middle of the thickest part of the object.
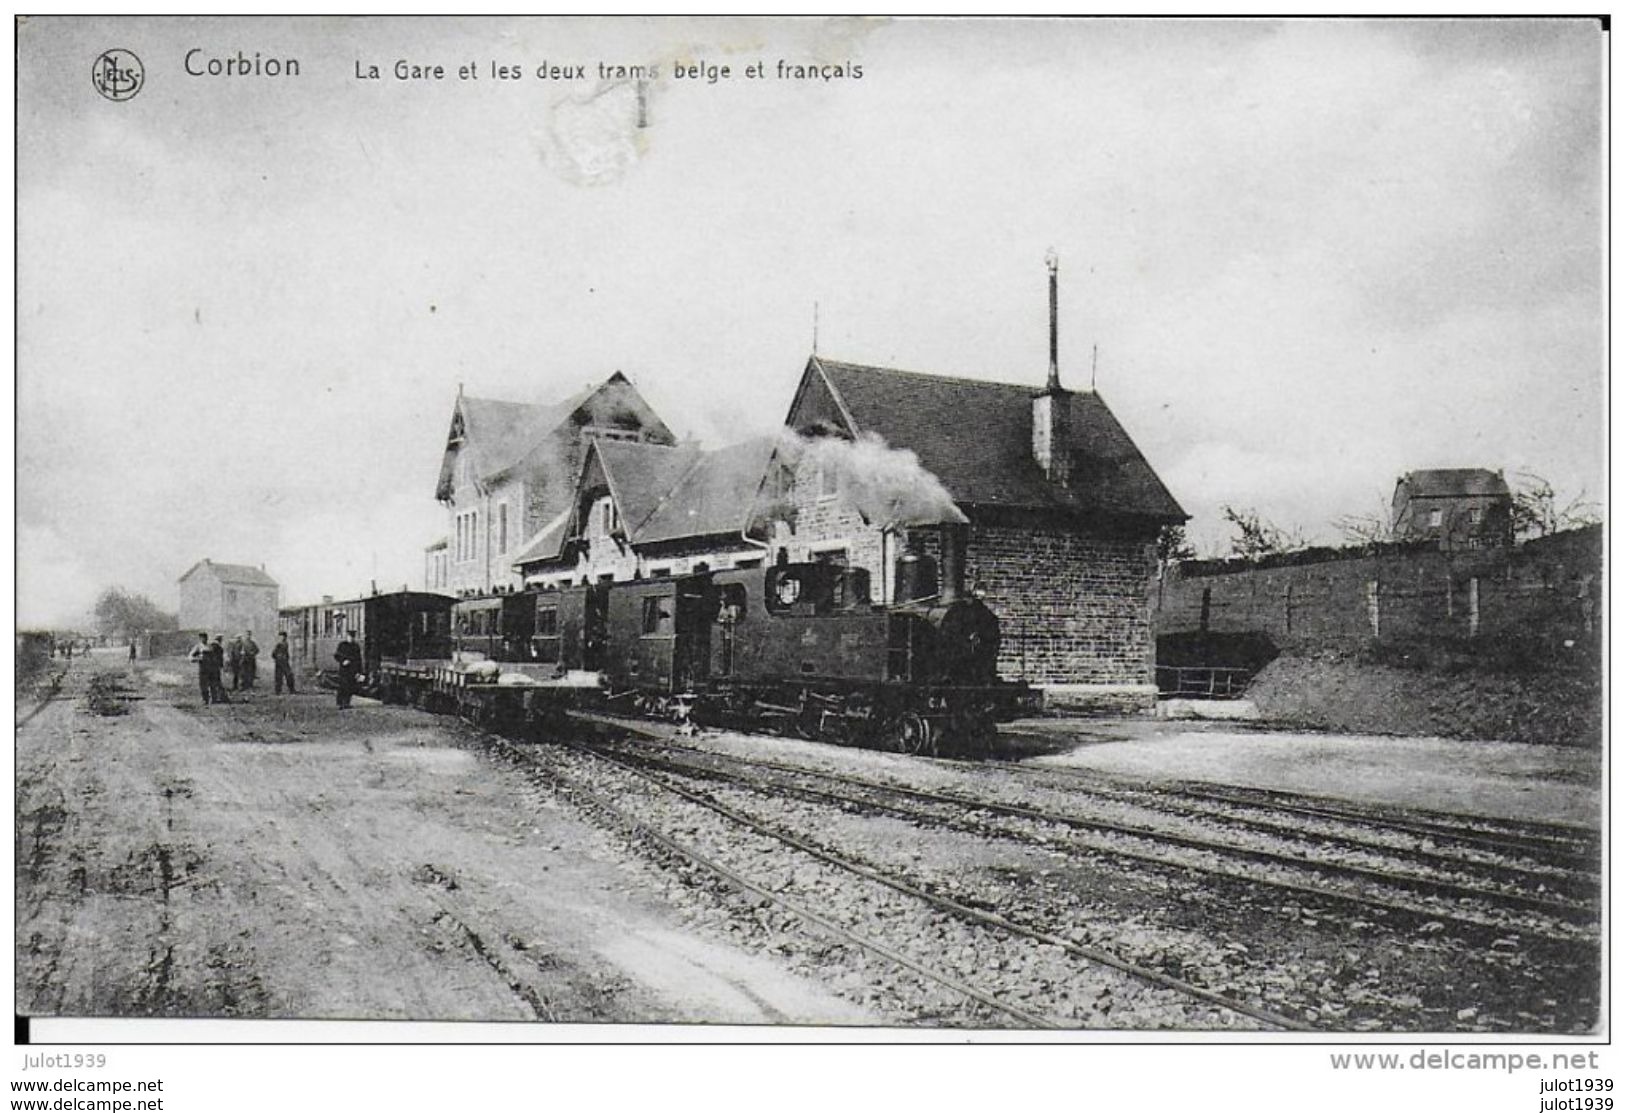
(619, 443)
(937, 376)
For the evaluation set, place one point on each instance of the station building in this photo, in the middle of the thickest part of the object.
(508, 473)
(1039, 496)
(646, 510)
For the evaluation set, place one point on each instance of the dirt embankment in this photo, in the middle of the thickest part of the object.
(1419, 690)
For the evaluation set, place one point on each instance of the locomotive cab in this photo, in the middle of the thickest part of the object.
(944, 643)
(807, 590)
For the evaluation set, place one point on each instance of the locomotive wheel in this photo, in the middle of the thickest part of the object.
(913, 733)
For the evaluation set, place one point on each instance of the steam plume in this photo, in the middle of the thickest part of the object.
(886, 485)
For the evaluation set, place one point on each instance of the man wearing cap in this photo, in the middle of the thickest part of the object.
(348, 656)
(279, 659)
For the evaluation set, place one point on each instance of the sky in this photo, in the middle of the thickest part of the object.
(1299, 258)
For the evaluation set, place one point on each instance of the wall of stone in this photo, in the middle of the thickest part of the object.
(1074, 609)
(1550, 587)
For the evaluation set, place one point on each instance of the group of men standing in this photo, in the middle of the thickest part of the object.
(241, 658)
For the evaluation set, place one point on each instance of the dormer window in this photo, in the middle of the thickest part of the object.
(602, 520)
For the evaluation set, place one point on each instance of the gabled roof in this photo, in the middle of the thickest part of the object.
(230, 573)
(500, 436)
(714, 497)
(637, 475)
(548, 542)
(640, 475)
(976, 437)
(664, 493)
(1454, 483)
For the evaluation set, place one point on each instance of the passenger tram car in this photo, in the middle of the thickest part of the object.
(396, 626)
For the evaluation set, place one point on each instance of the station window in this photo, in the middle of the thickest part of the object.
(657, 616)
(829, 482)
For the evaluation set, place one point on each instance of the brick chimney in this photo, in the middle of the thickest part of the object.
(1052, 410)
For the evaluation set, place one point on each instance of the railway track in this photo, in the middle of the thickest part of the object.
(1530, 968)
(907, 802)
(1532, 863)
(979, 918)
(734, 879)
(1559, 846)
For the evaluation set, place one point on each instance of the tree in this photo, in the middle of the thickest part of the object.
(123, 614)
(1537, 509)
(1256, 537)
(1374, 527)
(1172, 547)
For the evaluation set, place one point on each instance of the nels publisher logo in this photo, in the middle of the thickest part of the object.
(117, 74)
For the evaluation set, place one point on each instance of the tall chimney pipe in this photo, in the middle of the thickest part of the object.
(953, 563)
(1054, 264)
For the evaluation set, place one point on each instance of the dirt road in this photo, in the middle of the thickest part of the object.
(279, 858)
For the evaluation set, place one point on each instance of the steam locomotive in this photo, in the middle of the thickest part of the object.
(795, 647)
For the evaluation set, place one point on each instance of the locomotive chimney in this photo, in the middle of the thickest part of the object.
(953, 562)
(916, 574)
(1052, 425)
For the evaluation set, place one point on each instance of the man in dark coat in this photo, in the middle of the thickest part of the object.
(234, 662)
(348, 656)
(251, 659)
(200, 657)
(216, 654)
(279, 659)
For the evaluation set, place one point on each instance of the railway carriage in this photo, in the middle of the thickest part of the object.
(561, 626)
(394, 626)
